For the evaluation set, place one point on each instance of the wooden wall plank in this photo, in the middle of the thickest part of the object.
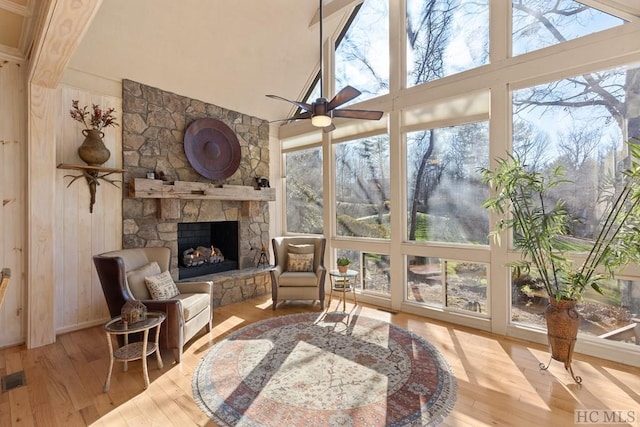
(42, 222)
(12, 200)
(59, 29)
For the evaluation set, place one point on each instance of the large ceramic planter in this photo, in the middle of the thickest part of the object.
(562, 330)
(93, 151)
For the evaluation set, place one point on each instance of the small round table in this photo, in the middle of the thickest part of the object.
(343, 282)
(136, 350)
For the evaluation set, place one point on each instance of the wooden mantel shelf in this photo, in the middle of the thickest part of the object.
(158, 189)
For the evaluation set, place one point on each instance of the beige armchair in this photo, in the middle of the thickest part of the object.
(122, 276)
(299, 271)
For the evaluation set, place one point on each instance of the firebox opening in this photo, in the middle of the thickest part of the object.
(218, 242)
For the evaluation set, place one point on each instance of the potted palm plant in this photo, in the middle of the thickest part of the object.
(539, 228)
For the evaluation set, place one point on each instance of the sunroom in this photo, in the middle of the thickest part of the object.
(460, 84)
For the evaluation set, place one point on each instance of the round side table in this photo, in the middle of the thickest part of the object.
(136, 350)
(343, 282)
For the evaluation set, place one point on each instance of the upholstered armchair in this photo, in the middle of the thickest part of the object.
(299, 271)
(122, 275)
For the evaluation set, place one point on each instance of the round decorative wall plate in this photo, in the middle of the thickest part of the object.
(212, 148)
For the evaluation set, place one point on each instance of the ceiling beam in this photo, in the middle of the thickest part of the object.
(60, 26)
(626, 9)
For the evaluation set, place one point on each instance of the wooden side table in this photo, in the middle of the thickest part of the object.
(136, 350)
(343, 282)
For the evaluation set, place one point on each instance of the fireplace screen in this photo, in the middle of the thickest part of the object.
(207, 247)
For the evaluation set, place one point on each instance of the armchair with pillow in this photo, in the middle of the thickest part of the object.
(142, 274)
(299, 271)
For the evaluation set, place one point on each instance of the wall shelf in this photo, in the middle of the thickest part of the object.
(92, 174)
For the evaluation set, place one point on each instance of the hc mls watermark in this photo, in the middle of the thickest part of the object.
(604, 416)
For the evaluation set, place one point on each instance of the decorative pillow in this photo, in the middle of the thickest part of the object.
(135, 279)
(300, 262)
(161, 286)
(300, 249)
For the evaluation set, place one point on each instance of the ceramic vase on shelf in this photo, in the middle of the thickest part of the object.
(93, 151)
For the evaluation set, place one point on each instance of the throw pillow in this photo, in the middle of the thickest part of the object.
(300, 262)
(300, 249)
(161, 286)
(135, 279)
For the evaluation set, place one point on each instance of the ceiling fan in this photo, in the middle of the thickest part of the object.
(321, 112)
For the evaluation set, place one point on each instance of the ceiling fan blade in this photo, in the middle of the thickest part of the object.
(345, 95)
(299, 116)
(329, 128)
(303, 105)
(357, 114)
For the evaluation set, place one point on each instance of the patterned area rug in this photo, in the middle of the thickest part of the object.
(324, 369)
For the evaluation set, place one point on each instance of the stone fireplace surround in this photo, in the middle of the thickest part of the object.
(153, 126)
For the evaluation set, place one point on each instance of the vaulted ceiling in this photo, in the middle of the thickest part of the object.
(226, 52)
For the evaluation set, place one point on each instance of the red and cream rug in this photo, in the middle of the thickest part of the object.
(315, 370)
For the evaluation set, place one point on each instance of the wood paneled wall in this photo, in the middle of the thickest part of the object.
(13, 150)
(79, 234)
(58, 32)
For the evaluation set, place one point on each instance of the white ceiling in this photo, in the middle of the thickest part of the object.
(227, 52)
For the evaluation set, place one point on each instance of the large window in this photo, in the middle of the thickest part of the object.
(542, 23)
(444, 191)
(362, 56)
(579, 123)
(304, 191)
(374, 270)
(362, 187)
(412, 194)
(456, 285)
(445, 37)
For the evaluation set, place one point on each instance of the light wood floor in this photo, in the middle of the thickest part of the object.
(499, 383)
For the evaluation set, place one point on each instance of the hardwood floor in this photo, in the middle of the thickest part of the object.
(499, 383)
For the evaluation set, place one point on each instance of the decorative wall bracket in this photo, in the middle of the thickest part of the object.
(92, 174)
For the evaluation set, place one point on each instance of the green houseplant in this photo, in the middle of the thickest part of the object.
(540, 227)
(343, 264)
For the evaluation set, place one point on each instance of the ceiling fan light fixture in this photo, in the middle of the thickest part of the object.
(321, 120)
(321, 112)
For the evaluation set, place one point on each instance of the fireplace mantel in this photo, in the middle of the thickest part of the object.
(169, 194)
(158, 189)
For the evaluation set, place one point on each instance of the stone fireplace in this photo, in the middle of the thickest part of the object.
(153, 126)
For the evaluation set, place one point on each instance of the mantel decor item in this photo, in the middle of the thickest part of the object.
(212, 148)
(540, 226)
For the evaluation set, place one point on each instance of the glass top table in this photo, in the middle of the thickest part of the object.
(343, 282)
